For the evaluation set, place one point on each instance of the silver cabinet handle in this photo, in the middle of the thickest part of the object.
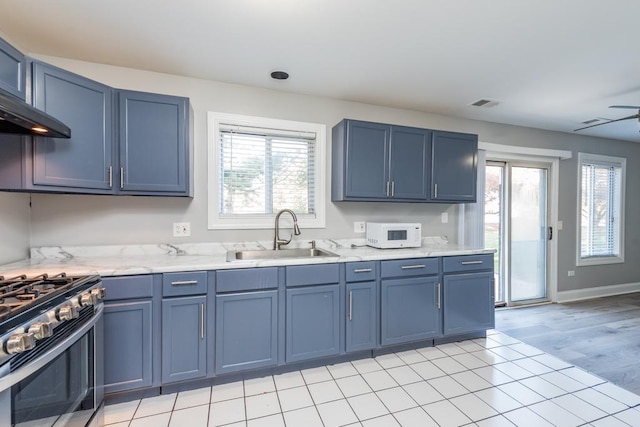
(435, 191)
(387, 190)
(362, 270)
(438, 298)
(110, 176)
(121, 178)
(350, 305)
(393, 188)
(184, 282)
(471, 262)
(202, 321)
(411, 267)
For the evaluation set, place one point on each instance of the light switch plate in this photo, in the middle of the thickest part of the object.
(181, 229)
(359, 227)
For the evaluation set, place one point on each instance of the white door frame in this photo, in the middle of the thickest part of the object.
(542, 155)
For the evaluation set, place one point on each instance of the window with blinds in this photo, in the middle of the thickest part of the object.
(601, 209)
(258, 166)
(265, 170)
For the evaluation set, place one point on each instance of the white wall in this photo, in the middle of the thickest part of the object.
(88, 220)
(14, 227)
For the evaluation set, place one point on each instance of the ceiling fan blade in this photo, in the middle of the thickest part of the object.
(633, 107)
(635, 116)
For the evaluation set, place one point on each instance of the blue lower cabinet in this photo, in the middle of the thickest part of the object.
(362, 325)
(128, 342)
(410, 310)
(246, 331)
(468, 301)
(312, 322)
(183, 338)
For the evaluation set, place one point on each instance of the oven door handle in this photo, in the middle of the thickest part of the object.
(34, 366)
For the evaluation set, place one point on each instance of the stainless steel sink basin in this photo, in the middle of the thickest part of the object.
(270, 254)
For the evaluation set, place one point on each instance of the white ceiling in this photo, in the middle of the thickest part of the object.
(552, 64)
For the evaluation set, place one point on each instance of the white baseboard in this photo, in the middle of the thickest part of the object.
(597, 292)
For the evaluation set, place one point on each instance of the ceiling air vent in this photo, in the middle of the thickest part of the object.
(485, 103)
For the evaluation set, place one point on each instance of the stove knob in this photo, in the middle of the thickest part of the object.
(88, 298)
(20, 343)
(41, 330)
(67, 312)
(98, 292)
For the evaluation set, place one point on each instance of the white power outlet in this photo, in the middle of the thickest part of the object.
(571, 273)
(359, 227)
(181, 229)
(444, 217)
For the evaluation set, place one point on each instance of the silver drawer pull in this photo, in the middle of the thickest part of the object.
(470, 262)
(184, 282)
(362, 270)
(410, 267)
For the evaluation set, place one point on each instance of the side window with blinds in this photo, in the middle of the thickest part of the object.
(601, 209)
(259, 166)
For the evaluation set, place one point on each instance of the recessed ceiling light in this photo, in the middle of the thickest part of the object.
(280, 75)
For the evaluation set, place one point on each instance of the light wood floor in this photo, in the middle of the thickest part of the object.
(600, 335)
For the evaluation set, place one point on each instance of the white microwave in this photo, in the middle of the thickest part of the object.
(387, 235)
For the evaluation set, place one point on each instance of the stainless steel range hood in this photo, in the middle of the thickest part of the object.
(18, 117)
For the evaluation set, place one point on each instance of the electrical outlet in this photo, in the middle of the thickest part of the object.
(559, 225)
(444, 217)
(571, 273)
(181, 229)
(359, 227)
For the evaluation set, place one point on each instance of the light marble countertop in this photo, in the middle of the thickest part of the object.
(164, 258)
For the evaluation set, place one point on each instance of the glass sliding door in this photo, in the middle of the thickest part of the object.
(528, 233)
(516, 226)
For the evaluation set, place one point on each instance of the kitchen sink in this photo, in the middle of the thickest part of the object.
(270, 254)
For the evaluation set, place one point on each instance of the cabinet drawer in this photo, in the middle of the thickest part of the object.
(361, 271)
(246, 279)
(409, 267)
(304, 275)
(451, 264)
(184, 283)
(128, 287)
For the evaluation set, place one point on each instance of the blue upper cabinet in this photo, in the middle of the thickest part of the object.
(122, 142)
(379, 162)
(454, 167)
(82, 163)
(153, 144)
(12, 70)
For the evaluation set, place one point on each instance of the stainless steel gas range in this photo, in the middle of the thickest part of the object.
(51, 339)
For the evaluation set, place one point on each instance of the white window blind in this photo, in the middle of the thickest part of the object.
(262, 171)
(600, 208)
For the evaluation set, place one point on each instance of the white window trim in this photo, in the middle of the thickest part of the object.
(217, 222)
(622, 162)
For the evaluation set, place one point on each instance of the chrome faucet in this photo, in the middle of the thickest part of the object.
(277, 241)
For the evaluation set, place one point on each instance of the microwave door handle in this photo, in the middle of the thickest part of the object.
(34, 366)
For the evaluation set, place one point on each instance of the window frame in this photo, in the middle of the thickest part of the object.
(587, 158)
(215, 220)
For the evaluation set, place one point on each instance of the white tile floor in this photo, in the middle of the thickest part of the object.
(497, 381)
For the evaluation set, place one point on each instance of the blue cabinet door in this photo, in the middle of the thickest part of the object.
(410, 310)
(362, 325)
(468, 301)
(367, 160)
(246, 331)
(409, 160)
(12, 70)
(153, 143)
(83, 162)
(312, 322)
(454, 167)
(127, 345)
(183, 338)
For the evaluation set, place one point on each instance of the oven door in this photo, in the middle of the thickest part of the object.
(59, 387)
